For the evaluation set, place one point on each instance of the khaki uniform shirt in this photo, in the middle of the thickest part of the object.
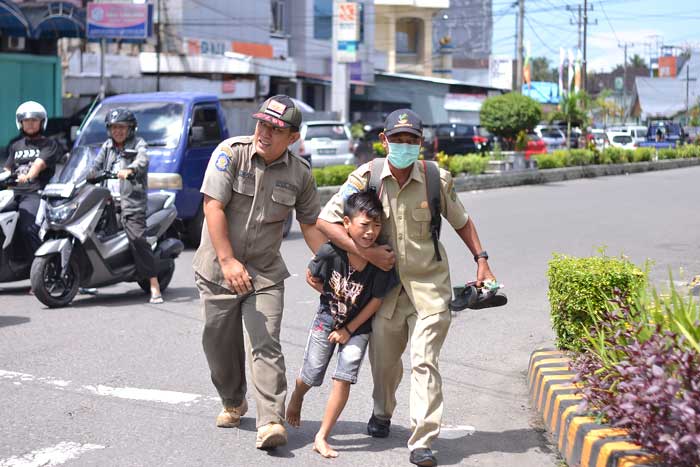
(406, 228)
(257, 200)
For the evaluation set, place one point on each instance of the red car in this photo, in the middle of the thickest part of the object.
(535, 145)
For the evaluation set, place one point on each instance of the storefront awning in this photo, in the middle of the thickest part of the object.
(12, 20)
(59, 19)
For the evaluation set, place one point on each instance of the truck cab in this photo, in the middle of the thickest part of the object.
(182, 130)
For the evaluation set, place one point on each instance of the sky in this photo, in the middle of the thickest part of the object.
(643, 24)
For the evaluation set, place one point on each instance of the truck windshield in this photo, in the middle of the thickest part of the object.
(159, 123)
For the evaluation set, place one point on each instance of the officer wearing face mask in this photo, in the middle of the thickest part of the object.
(418, 310)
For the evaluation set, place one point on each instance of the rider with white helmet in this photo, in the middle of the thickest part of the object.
(32, 160)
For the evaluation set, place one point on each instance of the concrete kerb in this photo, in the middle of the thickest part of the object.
(580, 439)
(535, 176)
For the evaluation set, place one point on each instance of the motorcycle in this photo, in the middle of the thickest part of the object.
(85, 245)
(15, 263)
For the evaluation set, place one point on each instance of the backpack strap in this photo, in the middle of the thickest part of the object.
(432, 188)
(375, 175)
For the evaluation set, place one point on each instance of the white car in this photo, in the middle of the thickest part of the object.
(637, 132)
(620, 139)
(325, 143)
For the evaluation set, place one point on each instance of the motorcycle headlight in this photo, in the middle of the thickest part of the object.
(61, 213)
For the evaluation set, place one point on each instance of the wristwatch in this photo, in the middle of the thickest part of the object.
(482, 254)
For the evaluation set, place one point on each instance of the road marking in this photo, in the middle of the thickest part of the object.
(470, 430)
(54, 455)
(139, 394)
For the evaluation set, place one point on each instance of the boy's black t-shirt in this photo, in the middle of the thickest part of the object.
(347, 291)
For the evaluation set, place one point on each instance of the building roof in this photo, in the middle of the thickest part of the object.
(437, 80)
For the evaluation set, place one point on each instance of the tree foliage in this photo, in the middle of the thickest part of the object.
(508, 114)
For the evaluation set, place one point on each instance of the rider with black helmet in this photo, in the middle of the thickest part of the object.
(124, 153)
(31, 159)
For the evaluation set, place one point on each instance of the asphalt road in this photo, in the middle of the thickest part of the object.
(113, 381)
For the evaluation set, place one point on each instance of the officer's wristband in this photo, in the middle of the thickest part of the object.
(480, 255)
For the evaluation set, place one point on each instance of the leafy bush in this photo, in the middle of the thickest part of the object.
(642, 372)
(688, 150)
(443, 160)
(550, 161)
(580, 157)
(579, 289)
(333, 175)
(474, 164)
(509, 114)
(611, 155)
(667, 153)
(378, 149)
(641, 154)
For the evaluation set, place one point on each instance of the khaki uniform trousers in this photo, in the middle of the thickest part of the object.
(225, 316)
(387, 342)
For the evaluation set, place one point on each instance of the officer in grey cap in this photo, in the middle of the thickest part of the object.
(250, 186)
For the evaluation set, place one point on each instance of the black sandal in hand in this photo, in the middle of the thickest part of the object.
(473, 297)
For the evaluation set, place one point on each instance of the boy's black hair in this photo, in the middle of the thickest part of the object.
(366, 202)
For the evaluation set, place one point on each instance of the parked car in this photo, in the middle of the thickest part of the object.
(637, 132)
(324, 143)
(535, 145)
(460, 138)
(597, 135)
(552, 136)
(620, 139)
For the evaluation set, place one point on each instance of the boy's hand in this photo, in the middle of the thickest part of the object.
(314, 282)
(339, 336)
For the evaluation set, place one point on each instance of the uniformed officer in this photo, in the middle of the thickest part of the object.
(130, 188)
(250, 186)
(32, 159)
(419, 309)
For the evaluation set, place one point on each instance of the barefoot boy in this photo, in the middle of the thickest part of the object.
(352, 292)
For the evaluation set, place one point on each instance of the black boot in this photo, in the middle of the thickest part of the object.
(423, 457)
(378, 428)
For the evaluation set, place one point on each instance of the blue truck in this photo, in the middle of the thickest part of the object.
(181, 129)
(662, 134)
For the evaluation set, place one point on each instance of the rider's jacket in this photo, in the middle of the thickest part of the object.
(24, 152)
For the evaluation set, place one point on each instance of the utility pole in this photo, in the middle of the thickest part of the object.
(158, 47)
(624, 45)
(582, 22)
(687, 80)
(519, 60)
(579, 22)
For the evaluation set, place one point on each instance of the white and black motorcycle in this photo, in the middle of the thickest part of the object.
(84, 243)
(14, 261)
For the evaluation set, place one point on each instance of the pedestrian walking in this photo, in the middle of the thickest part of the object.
(351, 294)
(413, 202)
(250, 186)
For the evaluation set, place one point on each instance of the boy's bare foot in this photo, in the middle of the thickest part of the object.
(294, 409)
(322, 447)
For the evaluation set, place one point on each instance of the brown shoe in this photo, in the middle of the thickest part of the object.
(271, 436)
(230, 417)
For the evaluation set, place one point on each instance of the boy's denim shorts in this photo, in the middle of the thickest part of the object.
(319, 351)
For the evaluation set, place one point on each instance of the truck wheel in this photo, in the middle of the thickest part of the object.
(288, 224)
(193, 229)
(49, 286)
(164, 279)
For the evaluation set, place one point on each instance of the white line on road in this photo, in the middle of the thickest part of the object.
(54, 455)
(150, 395)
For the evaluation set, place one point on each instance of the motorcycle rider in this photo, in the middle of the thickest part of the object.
(32, 160)
(130, 188)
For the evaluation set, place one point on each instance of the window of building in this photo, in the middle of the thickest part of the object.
(407, 35)
(323, 19)
(278, 24)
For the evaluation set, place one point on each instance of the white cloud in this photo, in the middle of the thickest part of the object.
(604, 51)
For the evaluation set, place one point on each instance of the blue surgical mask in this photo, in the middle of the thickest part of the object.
(402, 155)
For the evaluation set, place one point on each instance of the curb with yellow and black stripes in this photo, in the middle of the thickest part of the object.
(581, 441)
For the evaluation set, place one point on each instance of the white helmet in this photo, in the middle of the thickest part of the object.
(31, 109)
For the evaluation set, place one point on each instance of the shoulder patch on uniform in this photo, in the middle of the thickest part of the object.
(237, 140)
(348, 189)
(223, 161)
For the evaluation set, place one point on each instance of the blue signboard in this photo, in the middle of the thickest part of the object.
(119, 21)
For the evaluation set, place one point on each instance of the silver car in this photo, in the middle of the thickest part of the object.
(328, 142)
(552, 136)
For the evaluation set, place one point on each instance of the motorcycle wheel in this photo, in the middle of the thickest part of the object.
(164, 279)
(49, 286)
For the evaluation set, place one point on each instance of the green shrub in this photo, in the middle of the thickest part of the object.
(509, 114)
(333, 175)
(642, 154)
(549, 161)
(614, 156)
(667, 153)
(580, 289)
(688, 150)
(474, 164)
(580, 157)
(378, 149)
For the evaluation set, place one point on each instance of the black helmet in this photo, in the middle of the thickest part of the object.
(121, 115)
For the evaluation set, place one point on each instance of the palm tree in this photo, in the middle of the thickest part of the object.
(637, 62)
